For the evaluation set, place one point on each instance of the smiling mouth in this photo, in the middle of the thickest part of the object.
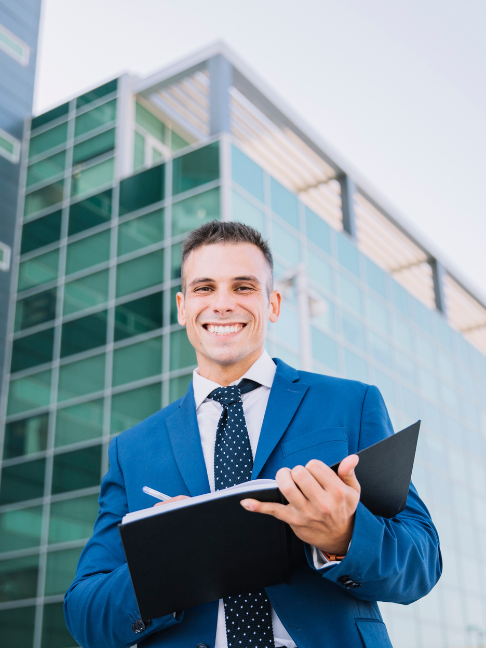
(223, 330)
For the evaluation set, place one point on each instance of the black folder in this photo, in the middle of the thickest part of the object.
(192, 552)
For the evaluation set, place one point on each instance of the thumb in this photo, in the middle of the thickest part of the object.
(347, 474)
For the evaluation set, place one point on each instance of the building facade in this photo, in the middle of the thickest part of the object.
(19, 27)
(112, 182)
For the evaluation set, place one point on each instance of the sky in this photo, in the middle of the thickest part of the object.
(397, 88)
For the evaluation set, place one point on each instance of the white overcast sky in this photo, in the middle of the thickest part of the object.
(397, 87)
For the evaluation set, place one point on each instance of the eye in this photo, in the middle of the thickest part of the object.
(203, 289)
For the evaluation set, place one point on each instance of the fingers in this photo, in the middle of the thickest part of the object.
(347, 474)
(279, 511)
(172, 499)
(289, 488)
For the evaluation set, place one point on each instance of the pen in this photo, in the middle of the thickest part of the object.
(154, 493)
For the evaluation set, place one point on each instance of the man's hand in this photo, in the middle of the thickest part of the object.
(321, 505)
(172, 499)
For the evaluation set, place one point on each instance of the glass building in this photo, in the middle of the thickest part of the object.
(19, 27)
(112, 182)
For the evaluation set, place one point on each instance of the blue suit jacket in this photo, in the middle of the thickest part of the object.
(308, 416)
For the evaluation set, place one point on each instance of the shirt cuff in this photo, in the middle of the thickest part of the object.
(322, 560)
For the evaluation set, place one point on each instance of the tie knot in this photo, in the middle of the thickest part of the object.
(226, 395)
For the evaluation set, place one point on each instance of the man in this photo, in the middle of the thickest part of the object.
(293, 426)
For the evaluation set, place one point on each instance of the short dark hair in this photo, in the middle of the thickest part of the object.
(225, 232)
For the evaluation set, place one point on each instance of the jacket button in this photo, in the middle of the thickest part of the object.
(348, 582)
(202, 646)
(138, 626)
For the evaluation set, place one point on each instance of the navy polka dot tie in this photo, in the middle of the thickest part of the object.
(248, 616)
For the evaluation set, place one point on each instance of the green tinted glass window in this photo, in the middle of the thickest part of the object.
(177, 142)
(97, 93)
(44, 198)
(79, 423)
(18, 578)
(195, 168)
(88, 252)
(17, 626)
(39, 270)
(319, 271)
(90, 212)
(284, 244)
(182, 353)
(284, 203)
(29, 392)
(32, 350)
(140, 273)
(83, 334)
(35, 309)
(48, 139)
(129, 408)
(401, 299)
(138, 316)
(54, 631)
(60, 570)
(178, 387)
(20, 529)
(23, 481)
(94, 146)
(355, 368)
(41, 231)
(86, 292)
(173, 303)
(353, 330)
(72, 519)
(317, 230)
(245, 212)
(50, 115)
(138, 151)
(375, 278)
(347, 254)
(142, 189)
(193, 212)
(247, 173)
(140, 232)
(149, 122)
(137, 361)
(324, 349)
(46, 169)
(93, 177)
(350, 293)
(25, 436)
(82, 377)
(156, 155)
(76, 470)
(99, 116)
(176, 261)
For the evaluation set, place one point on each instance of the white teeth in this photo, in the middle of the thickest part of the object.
(224, 330)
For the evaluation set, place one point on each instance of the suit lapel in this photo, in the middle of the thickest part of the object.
(186, 445)
(285, 397)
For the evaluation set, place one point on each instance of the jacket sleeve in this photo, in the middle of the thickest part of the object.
(100, 606)
(397, 559)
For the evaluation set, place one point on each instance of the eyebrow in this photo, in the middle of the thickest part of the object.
(199, 280)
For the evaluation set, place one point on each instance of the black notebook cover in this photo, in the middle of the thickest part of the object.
(204, 552)
(384, 472)
(192, 555)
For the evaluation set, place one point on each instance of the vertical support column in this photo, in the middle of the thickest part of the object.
(438, 274)
(348, 189)
(302, 289)
(220, 81)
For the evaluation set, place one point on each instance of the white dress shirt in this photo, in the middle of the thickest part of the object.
(208, 413)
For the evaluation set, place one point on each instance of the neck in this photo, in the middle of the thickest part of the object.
(225, 374)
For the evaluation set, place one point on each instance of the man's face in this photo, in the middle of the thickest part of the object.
(226, 305)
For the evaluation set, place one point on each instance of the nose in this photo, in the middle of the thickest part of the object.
(223, 301)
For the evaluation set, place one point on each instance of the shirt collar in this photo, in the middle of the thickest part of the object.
(262, 371)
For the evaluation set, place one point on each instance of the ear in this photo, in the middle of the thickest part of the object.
(181, 312)
(274, 306)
